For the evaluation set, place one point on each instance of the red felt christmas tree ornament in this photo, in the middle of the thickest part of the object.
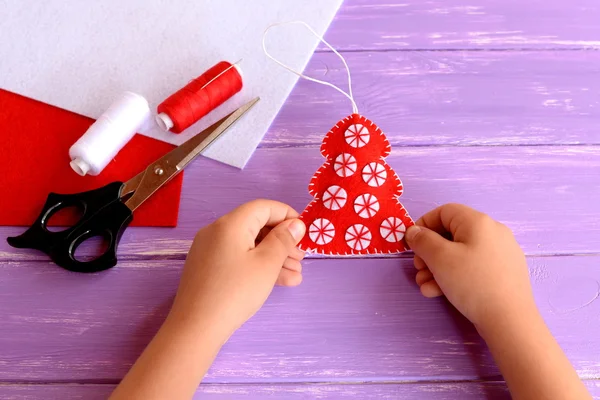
(355, 209)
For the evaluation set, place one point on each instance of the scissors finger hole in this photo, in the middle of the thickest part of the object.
(62, 218)
(92, 248)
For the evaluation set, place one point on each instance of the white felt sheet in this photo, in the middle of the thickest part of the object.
(79, 55)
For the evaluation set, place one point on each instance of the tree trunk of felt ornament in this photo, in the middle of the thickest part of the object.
(355, 209)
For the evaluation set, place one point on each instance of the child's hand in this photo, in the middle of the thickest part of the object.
(482, 270)
(234, 262)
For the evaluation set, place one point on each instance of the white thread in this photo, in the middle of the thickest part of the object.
(301, 75)
(234, 65)
(109, 134)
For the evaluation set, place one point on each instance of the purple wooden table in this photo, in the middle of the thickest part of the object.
(496, 105)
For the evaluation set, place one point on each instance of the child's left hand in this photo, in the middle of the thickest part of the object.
(234, 263)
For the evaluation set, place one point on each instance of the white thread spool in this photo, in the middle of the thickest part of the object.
(109, 134)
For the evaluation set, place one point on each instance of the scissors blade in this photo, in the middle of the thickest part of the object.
(165, 168)
(189, 150)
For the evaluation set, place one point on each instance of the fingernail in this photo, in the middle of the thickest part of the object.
(412, 232)
(297, 229)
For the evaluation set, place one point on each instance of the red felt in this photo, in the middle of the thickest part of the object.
(348, 225)
(35, 161)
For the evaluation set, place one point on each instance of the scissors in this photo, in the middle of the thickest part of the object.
(107, 211)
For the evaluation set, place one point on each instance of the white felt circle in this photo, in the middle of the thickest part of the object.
(357, 135)
(345, 165)
(358, 237)
(392, 229)
(334, 197)
(366, 205)
(321, 231)
(374, 174)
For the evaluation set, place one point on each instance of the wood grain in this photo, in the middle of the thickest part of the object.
(390, 391)
(547, 194)
(462, 24)
(442, 391)
(493, 103)
(451, 98)
(359, 320)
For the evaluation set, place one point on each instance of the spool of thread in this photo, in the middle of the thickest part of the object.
(109, 134)
(199, 97)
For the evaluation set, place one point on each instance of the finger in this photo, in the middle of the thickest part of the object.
(276, 247)
(431, 289)
(263, 212)
(289, 278)
(297, 254)
(423, 276)
(448, 218)
(292, 264)
(261, 235)
(433, 249)
(419, 263)
(250, 218)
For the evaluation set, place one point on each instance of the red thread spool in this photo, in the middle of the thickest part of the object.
(199, 97)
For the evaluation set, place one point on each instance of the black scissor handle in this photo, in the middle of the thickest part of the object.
(103, 215)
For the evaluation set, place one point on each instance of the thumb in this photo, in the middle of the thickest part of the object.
(430, 246)
(276, 246)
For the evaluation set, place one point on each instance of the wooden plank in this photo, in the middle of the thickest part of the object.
(442, 391)
(547, 195)
(359, 320)
(451, 98)
(391, 391)
(462, 24)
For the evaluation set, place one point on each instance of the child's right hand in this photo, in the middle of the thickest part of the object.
(481, 269)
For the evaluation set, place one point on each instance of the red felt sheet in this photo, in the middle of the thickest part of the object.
(35, 160)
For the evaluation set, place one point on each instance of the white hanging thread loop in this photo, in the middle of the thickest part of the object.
(301, 75)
